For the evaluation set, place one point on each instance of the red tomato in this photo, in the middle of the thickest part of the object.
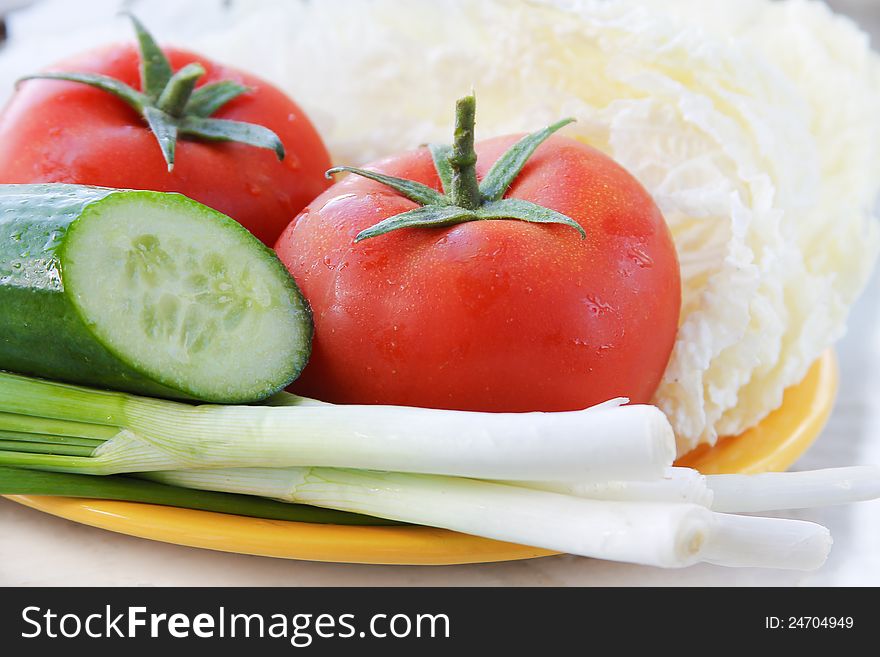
(489, 315)
(57, 131)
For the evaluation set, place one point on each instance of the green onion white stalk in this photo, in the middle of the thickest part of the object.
(682, 485)
(753, 542)
(734, 493)
(667, 534)
(774, 491)
(627, 442)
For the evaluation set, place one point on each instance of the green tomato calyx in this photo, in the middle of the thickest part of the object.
(464, 197)
(171, 104)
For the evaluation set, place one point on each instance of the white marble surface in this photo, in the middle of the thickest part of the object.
(37, 549)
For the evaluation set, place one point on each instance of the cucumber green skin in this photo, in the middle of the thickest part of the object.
(41, 333)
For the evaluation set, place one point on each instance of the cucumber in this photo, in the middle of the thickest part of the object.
(145, 292)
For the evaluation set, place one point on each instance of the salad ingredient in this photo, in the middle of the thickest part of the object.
(146, 292)
(225, 138)
(465, 198)
(773, 491)
(27, 425)
(730, 113)
(731, 493)
(734, 493)
(676, 485)
(663, 530)
(543, 279)
(617, 441)
(750, 542)
(19, 481)
(668, 535)
(171, 106)
(665, 534)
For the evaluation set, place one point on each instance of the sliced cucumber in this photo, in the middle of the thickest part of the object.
(147, 292)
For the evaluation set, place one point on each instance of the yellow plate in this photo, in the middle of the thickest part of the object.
(772, 445)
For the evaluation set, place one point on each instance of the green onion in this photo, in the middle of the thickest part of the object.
(626, 503)
(42, 425)
(607, 441)
(49, 438)
(18, 481)
(734, 493)
(31, 447)
(676, 485)
(750, 542)
(773, 491)
(667, 534)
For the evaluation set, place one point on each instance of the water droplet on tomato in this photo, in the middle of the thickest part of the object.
(334, 200)
(292, 162)
(640, 258)
(596, 306)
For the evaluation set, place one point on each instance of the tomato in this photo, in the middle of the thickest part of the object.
(59, 131)
(496, 315)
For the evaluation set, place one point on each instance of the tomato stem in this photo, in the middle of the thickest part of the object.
(171, 105)
(465, 192)
(465, 198)
(177, 92)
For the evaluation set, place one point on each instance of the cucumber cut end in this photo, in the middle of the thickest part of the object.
(186, 296)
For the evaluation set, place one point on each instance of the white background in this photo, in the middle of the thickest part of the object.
(37, 549)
